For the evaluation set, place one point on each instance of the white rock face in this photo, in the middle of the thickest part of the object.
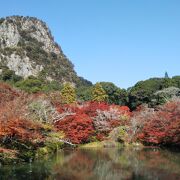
(11, 30)
(22, 67)
(42, 34)
(28, 48)
(9, 35)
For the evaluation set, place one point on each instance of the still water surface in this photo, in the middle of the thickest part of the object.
(100, 164)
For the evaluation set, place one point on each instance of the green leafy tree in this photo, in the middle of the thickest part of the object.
(98, 93)
(162, 96)
(176, 81)
(51, 86)
(142, 91)
(167, 82)
(68, 94)
(84, 93)
(115, 95)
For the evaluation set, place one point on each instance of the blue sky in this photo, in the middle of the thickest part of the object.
(121, 41)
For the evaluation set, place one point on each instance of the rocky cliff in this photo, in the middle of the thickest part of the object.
(27, 47)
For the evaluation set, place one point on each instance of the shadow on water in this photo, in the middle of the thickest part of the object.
(100, 164)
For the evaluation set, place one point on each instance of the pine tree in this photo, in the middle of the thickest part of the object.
(68, 94)
(98, 93)
(166, 75)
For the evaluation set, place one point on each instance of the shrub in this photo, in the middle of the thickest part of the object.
(9, 75)
(31, 85)
(161, 127)
(78, 128)
(7, 93)
(90, 108)
(107, 120)
(41, 110)
(119, 134)
(161, 97)
(13, 121)
(102, 118)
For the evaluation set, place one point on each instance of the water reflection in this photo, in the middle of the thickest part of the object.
(100, 164)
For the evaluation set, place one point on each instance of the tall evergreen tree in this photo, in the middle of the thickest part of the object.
(98, 93)
(68, 94)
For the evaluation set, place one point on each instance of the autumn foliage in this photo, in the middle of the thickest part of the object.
(7, 93)
(14, 125)
(22, 116)
(160, 127)
(17, 129)
(78, 128)
(20, 129)
(81, 122)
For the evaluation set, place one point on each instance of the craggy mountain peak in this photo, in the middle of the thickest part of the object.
(15, 28)
(27, 47)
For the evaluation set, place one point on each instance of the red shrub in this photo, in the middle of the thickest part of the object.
(125, 110)
(90, 108)
(7, 93)
(101, 116)
(19, 129)
(160, 127)
(78, 128)
(115, 123)
(13, 120)
(100, 136)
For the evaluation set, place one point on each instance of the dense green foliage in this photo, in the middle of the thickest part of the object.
(115, 95)
(163, 96)
(31, 85)
(84, 93)
(9, 75)
(143, 91)
(34, 85)
(176, 81)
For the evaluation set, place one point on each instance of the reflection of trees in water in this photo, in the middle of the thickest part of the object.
(100, 164)
(78, 167)
(148, 163)
(117, 164)
(89, 164)
(39, 171)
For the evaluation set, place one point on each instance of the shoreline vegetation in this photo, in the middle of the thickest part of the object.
(34, 125)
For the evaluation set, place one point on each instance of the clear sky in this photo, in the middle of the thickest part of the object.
(121, 41)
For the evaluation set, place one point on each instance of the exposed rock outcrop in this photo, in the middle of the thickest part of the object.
(28, 48)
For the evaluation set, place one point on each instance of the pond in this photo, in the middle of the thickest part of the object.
(100, 164)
